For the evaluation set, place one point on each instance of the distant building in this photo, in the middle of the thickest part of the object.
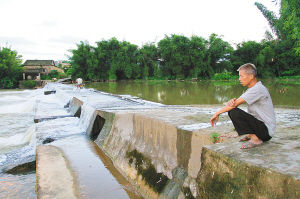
(33, 69)
(62, 64)
(65, 65)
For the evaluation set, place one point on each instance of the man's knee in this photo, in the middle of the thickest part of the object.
(234, 113)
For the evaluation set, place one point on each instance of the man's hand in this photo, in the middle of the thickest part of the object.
(231, 102)
(214, 119)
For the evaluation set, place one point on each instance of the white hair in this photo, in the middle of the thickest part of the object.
(248, 68)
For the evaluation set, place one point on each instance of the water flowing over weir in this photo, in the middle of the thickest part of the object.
(90, 144)
(54, 125)
(17, 143)
(88, 171)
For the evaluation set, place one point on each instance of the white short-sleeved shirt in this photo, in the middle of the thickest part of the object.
(260, 105)
(79, 80)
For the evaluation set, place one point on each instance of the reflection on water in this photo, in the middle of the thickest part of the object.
(95, 173)
(204, 92)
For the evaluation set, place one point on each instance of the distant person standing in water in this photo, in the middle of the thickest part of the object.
(78, 82)
(259, 123)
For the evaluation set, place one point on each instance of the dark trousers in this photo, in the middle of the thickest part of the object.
(244, 123)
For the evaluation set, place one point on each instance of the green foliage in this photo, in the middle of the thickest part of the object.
(29, 83)
(179, 57)
(6, 83)
(287, 26)
(274, 22)
(174, 51)
(10, 68)
(224, 76)
(45, 77)
(148, 61)
(214, 137)
(53, 74)
(290, 17)
(296, 77)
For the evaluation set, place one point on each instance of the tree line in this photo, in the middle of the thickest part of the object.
(180, 57)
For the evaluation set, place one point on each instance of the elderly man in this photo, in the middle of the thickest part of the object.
(259, 123)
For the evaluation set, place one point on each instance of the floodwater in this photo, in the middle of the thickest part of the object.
(203, 92)
(19, 136)
(17, 142)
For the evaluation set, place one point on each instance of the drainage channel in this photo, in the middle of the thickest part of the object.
(96, 177)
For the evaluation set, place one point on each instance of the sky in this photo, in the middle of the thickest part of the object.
(48, 29)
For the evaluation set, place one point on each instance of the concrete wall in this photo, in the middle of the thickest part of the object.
(167, 152)
(164, 161)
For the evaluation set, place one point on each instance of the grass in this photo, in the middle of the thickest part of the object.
(214, 137)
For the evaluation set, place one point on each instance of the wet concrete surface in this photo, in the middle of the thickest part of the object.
(94, 173)
(85, 158)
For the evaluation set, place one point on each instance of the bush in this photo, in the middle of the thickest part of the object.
(45, 77)
(7, 83)
(53, 74)
(29, 83)
(61, 75)
(224, 76)
(296, 77)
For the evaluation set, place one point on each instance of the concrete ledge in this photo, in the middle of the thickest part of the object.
(167, 152)
(54, 178)
(225, 177)
(75, 107)
(269, 171)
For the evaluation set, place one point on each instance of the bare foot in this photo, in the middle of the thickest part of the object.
(250, 145)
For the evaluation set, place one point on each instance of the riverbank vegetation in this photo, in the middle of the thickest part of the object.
(10, 68)
(180, 57)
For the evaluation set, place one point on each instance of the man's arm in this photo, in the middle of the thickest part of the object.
(231, 104)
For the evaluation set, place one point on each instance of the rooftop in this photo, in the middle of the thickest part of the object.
(38, 63)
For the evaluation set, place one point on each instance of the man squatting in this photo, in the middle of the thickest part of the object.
(259, 123)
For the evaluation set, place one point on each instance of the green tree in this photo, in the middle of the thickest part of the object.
(197, 54)
(275, 23)
(282, 56)
(124, 62)
(84, 61)
(10, 68)
(174, 52)
(246, 52)
(290, 16)
(265, 60)
(148, 60)
(217, 55)
(104, 52)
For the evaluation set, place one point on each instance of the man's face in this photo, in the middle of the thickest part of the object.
(245, 79)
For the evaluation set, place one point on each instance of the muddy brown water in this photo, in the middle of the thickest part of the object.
(203, 92)
(95, 173)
